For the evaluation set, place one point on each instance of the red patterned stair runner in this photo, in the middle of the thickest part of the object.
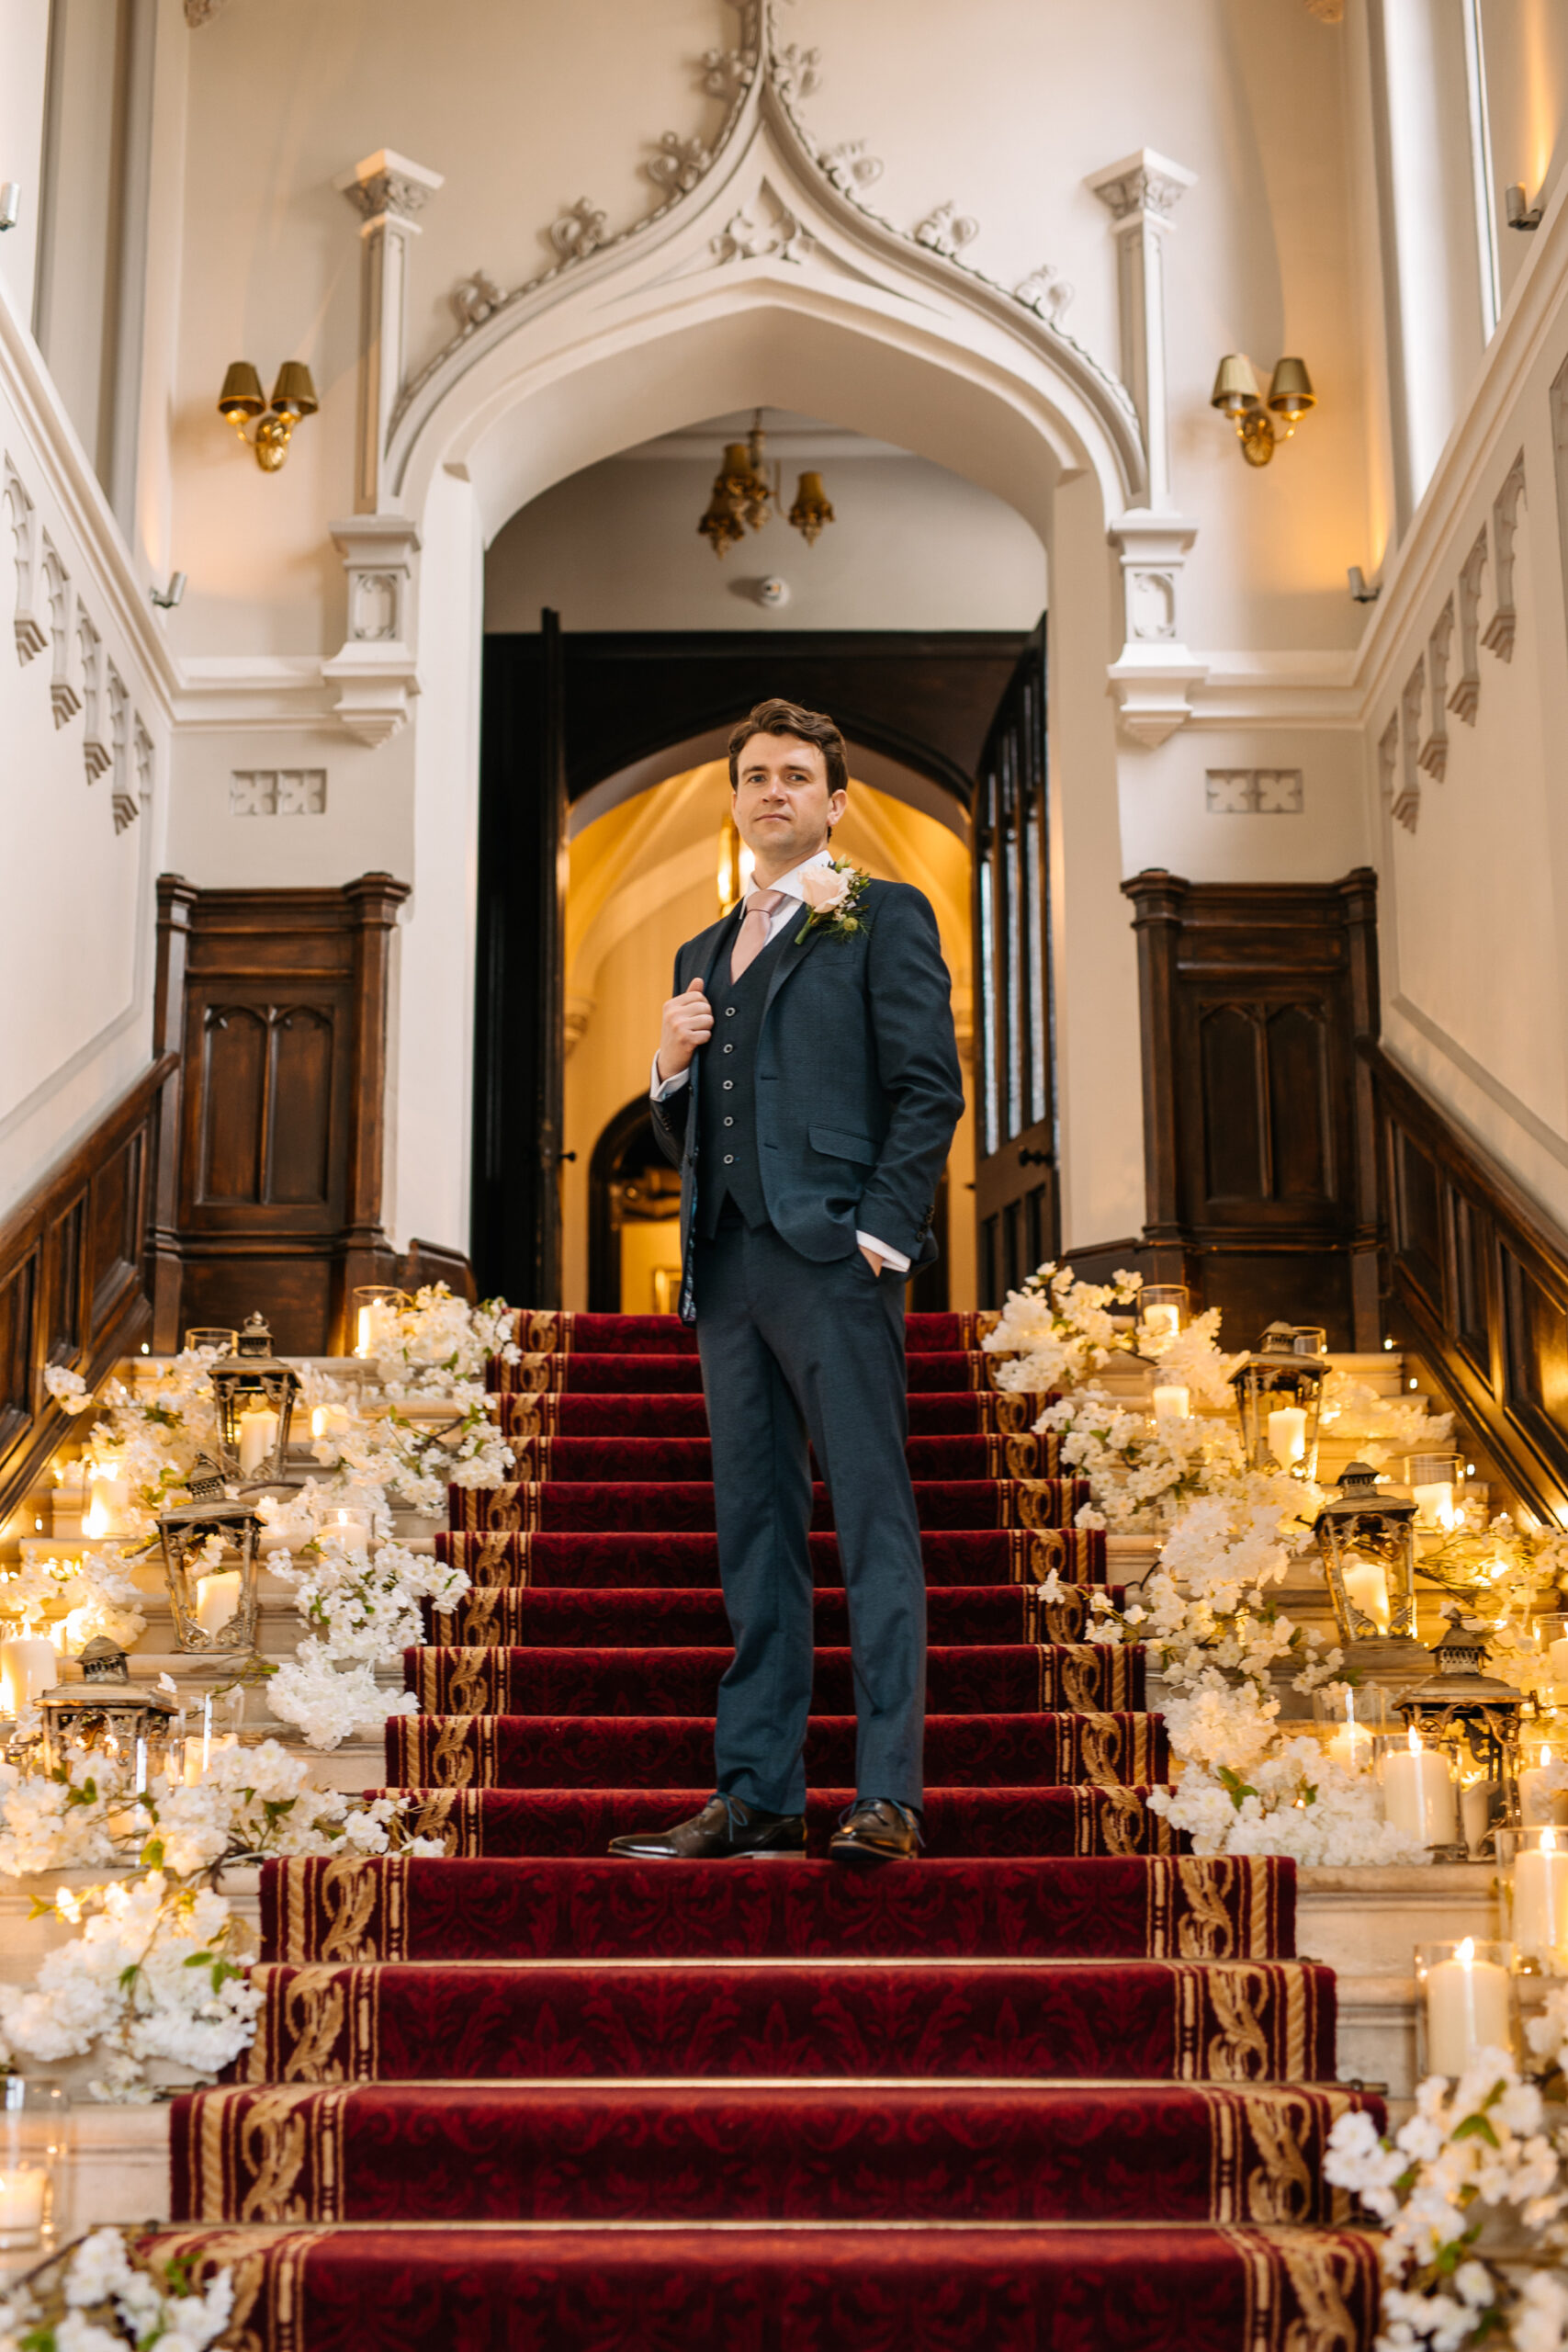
(1058, 2085)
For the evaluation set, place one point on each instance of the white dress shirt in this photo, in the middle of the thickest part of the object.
(790, 904)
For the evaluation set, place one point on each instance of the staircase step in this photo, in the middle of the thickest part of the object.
(934, 2151)
(1133, 2021)
(961, 1679)
(540, 1617)
(492, 1545)
(669, 1751)
(560, 1506)
(575, 1461)
(567, 1332)
(682, 1413)
(959, 1822)
(407, 1907)
(1047, 2287)
(938, 1371)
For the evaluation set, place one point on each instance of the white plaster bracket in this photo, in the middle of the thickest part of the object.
(1154, 673)
(374, 670)
(386, 190)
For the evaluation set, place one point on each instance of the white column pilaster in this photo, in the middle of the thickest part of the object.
(387, 190)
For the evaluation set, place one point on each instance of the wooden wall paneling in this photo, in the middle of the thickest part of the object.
(75, 1274)
(1478, 1281)
(175, 900)
(1259, 1146)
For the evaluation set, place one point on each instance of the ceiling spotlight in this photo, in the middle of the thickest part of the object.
(10, 203)
(166, 599)
(1521, 213)
(1359, 588)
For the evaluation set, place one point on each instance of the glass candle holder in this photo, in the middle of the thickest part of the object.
(1551, 1631)
(1532, 1871)
(213, 1338)
(1350, 1722)
(1162, 1309)
(373, 1314)
(1311, 1340)
(34, 2133)
(1465, 2003)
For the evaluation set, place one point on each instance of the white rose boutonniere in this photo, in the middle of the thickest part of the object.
(833, 895)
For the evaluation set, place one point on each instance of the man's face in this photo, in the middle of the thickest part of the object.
(782, 805)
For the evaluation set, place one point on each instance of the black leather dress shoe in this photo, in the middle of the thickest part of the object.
(724, 1831)
(876, 1830)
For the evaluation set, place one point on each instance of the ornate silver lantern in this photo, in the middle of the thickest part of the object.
(1367, 1538)
(255, 1393)
(1462, 1708)
(214, 1607)
(1278, 1397)
(106, 1714)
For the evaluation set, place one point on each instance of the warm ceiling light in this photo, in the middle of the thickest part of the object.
(242, 399)
(1261, 424)
(743, 497)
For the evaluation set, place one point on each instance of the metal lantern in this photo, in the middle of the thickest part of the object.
(255, 1395)
(215, 1610)
(1367, 1537)
(1462, 1708)
(1279, 1396)
(107, 1713)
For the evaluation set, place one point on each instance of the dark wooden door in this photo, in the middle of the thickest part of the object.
(1015, 1095)
(519, 1043)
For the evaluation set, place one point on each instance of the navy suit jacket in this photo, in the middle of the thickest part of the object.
(858, 1087)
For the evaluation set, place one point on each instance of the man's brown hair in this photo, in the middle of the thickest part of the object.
(776, 718)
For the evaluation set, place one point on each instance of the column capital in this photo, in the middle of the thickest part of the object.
(1143, 189)
(387, 186)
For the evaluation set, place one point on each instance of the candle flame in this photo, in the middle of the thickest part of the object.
(1414, 1741)
(319, 1422)
(97, 1522)
(1549, 1841)
(1466, 1953)
(1545, 1756)
(343, 1519)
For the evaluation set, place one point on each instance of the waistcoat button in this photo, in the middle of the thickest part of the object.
(729, 1086)
(729, 1049)
(729, 1123)
(730, 1012)
(729, 1160)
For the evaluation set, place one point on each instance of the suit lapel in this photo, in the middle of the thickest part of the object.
(793, 954)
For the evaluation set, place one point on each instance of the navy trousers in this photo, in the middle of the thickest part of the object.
(793, 1350)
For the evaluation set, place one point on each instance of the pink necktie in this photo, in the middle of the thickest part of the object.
(752, 936)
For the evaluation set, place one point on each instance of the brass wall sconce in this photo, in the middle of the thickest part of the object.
(743, 497)
(293, 396)
(1261, 424)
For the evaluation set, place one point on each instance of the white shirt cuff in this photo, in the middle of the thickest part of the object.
(661, 1087)
(894, 1258)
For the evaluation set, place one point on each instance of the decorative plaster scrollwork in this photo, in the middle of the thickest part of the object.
(127, 808)
(744, 238)
(679, 164)
(722, 72)
(1045, 292)
(1407, 801)
(29, 629)
(946, 230)
(396, 188)
(580, 230)
(1434, 752)
(1388, 759)
(96, 754)
(1146, 185)
(850, 167)
(1500, 629)
(201, 12)
(797, 73)
(473, 298)
(64, 700)
(1465, 699)
(144, 757)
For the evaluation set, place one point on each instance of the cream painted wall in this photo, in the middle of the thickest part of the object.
(911, 546)
(24, 68)
(643, 880)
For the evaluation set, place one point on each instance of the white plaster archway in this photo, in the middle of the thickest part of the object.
(830, 311)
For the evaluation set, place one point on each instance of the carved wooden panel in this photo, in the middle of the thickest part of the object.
(1259, 1171)
(1479, 1284)
(18, 1298)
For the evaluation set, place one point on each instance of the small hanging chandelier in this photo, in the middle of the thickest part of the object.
(743, 498)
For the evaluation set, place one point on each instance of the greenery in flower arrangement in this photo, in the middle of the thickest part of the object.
(103, 2294)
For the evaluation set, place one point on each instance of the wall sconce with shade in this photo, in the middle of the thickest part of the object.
(1366, 1538)
(243, 400)
(1262, 421)
(743, 498)
(1279, 1396)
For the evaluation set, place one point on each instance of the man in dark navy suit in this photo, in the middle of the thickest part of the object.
(807, 1084)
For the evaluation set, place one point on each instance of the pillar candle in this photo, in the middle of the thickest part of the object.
(1366, 1586)
(21, 2206)
(1541, 1896)
(1162, 1322)
(1557, 1661)
(28, 1665)
(1288, 1434)
(1172, 1403)
(258, 1435)
(217, 1600)
(353, 1533)
(1434, 1503)
(108, 1497)
(1467, 2009)
(1538, 1803)
(1418, 1795)
(1476, 1813)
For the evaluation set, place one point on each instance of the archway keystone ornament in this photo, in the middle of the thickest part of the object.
(758, 221)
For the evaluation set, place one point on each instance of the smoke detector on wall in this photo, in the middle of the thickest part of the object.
(773, 592)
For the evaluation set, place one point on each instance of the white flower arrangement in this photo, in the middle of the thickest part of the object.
(439, 1342)
(363, 1611)
(99, 2297)
(1382, 1427)
(1470, 2193)
(1056, 1329)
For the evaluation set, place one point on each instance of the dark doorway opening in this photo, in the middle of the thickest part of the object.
(562, 712)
